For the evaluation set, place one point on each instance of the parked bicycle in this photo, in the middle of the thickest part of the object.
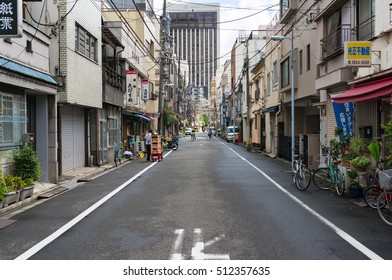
(330, 176)
(374, 190)
(384, 201)
(300, 174)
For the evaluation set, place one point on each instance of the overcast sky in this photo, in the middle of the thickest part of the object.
(235, 15)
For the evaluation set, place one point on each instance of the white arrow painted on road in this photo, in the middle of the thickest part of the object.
(198, 246)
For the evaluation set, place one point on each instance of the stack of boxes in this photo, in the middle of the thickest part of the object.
(156, 148)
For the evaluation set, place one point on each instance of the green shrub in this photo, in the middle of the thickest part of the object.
(361, 162)
(26, 164)
(13, 183)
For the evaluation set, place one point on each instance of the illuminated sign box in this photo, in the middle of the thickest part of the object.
(357, 53)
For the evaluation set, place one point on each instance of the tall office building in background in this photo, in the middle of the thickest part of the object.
(195, 33)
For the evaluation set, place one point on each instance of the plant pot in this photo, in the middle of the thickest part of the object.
(360, 169)
(10, 198)
(26, 192)
(355, 192)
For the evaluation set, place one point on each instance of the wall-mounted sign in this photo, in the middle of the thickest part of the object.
(11, 20)
(357, 53)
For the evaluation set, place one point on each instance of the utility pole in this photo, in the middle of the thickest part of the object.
(162, 68)
(179, 94)
(248, 141)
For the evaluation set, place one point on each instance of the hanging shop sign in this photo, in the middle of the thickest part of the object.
(131, 80)
(11, 20)
(357, 53)
(145, 90)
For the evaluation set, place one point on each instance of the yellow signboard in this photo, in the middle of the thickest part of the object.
(357, 53)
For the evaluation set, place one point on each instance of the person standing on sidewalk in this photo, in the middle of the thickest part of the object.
(147, 140)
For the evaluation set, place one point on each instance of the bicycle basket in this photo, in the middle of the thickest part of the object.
(385, 179)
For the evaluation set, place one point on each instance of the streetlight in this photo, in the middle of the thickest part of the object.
(281, 38)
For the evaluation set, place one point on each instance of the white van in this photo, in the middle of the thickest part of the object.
(230, 133)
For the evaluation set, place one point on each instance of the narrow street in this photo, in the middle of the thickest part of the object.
(208, 200)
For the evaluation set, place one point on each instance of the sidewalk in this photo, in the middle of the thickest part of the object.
(66, 181)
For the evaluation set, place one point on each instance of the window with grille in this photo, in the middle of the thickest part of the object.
(13, 120)
(366, 19)
(85, 43)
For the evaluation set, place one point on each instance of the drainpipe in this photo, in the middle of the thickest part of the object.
(276, 136)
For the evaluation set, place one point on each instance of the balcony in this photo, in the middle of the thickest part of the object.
(333, 44)
(287, 9)
(113, 86)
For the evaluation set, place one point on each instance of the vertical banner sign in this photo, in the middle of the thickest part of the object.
(131, 79)
(11, 20)
(145, 90)
(344, 116)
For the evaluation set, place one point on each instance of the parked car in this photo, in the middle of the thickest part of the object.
(188, 131)
(231, 132)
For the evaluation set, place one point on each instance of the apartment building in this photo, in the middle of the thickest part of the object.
(360, 84)
(292, 56)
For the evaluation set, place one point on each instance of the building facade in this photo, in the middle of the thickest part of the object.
(195, 33)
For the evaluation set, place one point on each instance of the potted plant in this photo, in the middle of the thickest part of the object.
(11, 192)
(361, 163)
(358, 145)
(26, 164)
(354, 189)
(347, 157)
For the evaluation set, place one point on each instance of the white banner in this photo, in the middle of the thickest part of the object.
(145, 90)
(131, 79)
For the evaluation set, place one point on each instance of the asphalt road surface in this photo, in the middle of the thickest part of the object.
(208, 200)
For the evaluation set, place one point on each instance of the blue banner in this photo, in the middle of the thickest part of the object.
(344, 113)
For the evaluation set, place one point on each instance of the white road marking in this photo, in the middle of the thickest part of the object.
(39, 246)
(177, 246)
(198, 246)
(351, 240)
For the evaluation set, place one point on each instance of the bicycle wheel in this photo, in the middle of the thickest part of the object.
(370, 196)
(384, 202)
(340, 182)
(303, 176)
(322, 178)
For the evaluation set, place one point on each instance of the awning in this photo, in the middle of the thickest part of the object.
(26, 71)
(366, 91)
(147, 118)
(273, 109)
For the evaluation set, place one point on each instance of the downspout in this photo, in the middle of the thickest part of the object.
(276, 136)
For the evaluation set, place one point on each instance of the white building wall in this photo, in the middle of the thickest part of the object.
(83, 76)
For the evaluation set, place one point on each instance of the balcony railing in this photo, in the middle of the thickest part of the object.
(112, 78)
(365, 30)
(333, 44)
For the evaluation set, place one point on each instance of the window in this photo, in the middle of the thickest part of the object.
(13, 120)
(307, 57)
(113, 126)
(366, 19)
(268, 84)
(85, 43)
(275, 80)
(285, 73)
(300, 62)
